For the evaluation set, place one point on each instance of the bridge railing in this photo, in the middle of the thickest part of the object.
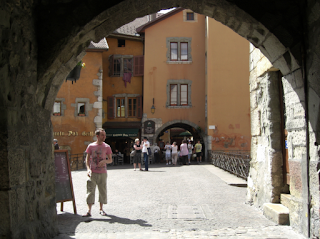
(77, 161)
(237, 163)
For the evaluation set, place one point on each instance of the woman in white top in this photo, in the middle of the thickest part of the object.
(174, 153)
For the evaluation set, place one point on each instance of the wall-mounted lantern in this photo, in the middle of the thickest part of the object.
(74, 75)
(153, 109)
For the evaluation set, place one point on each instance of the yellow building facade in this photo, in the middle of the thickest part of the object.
(196, 77)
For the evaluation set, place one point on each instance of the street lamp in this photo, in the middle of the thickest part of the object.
(153, 109)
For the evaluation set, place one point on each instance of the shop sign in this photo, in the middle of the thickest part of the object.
(149, 127)
(73, 133)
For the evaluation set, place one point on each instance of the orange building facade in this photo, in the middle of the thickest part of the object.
(77, 111)
(227, 89)
(178, 72)
(122, 91)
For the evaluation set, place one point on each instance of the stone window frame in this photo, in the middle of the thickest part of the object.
(63, 106)
(185, 11)
(179, 83)
(126, 103)
(179, 40)
(88, 106)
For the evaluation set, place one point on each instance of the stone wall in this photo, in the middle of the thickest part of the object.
(265, 182)
(265, 179)
(313, 76)
(27, 183)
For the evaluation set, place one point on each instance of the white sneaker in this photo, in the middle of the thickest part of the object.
(167, 164)
(134, 170)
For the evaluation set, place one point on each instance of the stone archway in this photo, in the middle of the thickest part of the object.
(42, 41)
(177, 123)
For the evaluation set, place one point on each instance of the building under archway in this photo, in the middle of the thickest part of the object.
(43, 41)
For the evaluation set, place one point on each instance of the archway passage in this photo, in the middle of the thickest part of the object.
(177, 132)
(42, 41)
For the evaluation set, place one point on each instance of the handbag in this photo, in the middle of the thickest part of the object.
(148, 151)
(133, 153)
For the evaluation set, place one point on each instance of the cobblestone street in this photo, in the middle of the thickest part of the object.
(167, 202)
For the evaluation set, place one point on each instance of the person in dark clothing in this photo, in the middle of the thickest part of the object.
(137, 157)
(56, 145)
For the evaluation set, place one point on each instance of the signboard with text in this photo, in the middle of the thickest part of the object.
(149, 127)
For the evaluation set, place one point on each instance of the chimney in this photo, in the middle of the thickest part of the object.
(152, 16)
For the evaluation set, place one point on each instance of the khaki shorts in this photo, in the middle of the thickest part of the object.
(100, 180)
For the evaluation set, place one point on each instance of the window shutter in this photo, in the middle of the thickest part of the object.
(110, 107)
(139, 106)
(138, 65)
(111, 66)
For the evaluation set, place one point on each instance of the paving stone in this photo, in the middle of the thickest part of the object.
(140, 205)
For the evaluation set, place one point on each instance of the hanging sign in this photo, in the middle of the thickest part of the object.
(149, 127)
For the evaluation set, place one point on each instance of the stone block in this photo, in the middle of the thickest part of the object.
(295, 178)
(274, 48)
(97, 82)
(263, 66)
(17, 167)
(5, 214)
(295, 124)
(97, 105)
(255, 123)
(297, 137)
(285, 200)
(294, 97)
(253, 100)
(276, 213)
(282, 64)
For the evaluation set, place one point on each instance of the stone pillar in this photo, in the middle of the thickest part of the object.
(265, 179)
(27, 172)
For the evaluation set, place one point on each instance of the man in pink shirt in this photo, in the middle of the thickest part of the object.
(99, 154)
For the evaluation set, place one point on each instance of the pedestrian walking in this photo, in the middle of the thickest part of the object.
(137, 157)
(198, 148)
(56, 145)
(184, 152)
(99, 154)
(190, 148)
(156, 153)
(174, 153)
(168, 152)
(145, 146)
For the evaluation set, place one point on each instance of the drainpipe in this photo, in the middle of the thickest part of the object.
(304, 38)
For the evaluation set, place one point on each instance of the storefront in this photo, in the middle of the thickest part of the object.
(121, 136)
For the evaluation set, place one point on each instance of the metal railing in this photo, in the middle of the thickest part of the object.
(237, 163)
(77, 161)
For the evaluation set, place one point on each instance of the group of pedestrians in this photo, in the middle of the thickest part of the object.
(185, 153)
(141, 148)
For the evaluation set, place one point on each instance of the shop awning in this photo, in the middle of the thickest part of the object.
(122, 132)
